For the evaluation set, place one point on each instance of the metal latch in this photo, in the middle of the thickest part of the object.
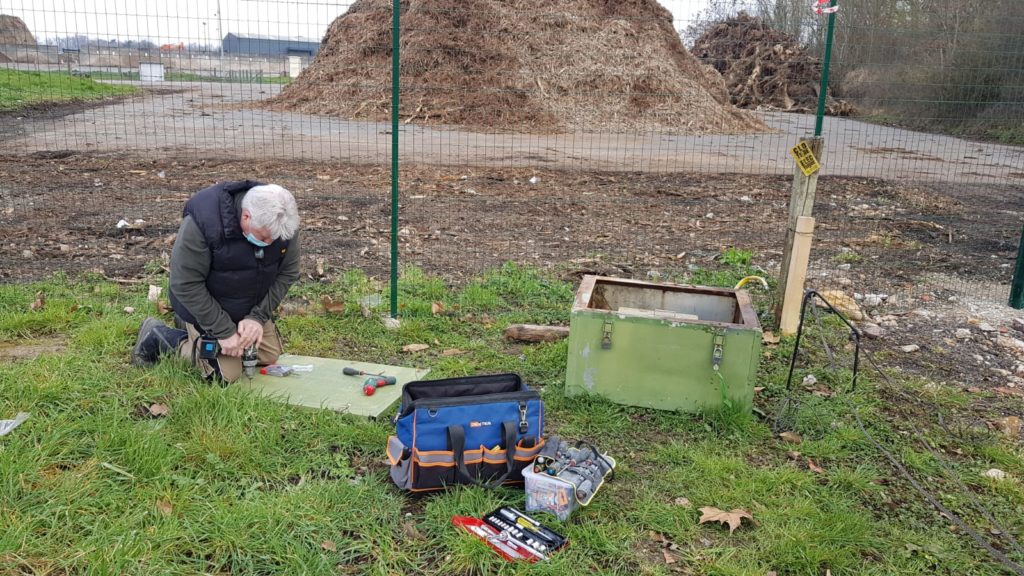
(606, 335)
(523, 424)
(717, 353)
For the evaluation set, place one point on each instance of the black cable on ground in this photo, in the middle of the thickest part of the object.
(995, 553)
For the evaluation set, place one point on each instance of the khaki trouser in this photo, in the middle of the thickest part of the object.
(229, 368)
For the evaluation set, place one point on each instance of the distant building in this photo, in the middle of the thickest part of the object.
(269, 45)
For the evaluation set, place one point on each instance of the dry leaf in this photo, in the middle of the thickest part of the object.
(974, 389)
(813, 467)
(758, 389)
(658, 537)
(329, 545)
(668, 557)
(164, 507)
(684, 502)
(154, 293)
(39, 302)
(331, 305)
(320, 267)
(1010, 426)
(74, 308)
(158, 410)
(415, 347)
(129, 310)
(452, 352)
(791, 437)
(771, 338)
(733, 517)
(793, 455)
(437, 308)
(1005, 391)
(162, 307)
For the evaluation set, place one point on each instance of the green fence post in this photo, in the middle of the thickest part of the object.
(395, 9)
(823, 91)
(1017, 287)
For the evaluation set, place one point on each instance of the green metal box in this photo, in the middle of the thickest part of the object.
(664, 346)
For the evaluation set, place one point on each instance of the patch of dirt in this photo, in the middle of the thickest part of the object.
(458, 221)
(22, 350)
(529, 65)
(764, 68)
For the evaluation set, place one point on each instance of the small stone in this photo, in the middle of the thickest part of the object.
(872, 330)
(995, 474)
(1018, 324)
(64, 248)
(979, 358)
(391, 323)
(963, 334)
(843, 267)
(986, 327)
(910, 348)
(27, 254)
(844, 282)
(1019, 369)
(810, 380)
(874, 300)
(1012, 344)
(1001, 372)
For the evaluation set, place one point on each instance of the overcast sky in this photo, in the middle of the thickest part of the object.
(172, 21)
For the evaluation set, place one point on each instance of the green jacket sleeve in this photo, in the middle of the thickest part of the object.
(190, 264)
(286, 276)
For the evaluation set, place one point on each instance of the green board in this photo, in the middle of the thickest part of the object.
(328, 388)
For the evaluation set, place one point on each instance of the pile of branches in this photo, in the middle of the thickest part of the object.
(764, 68)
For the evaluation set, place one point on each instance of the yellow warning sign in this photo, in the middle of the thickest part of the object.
(805, 159)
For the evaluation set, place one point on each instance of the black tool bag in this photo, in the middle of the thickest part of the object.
(474, 430)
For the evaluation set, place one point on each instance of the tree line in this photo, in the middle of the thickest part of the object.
(952, 65)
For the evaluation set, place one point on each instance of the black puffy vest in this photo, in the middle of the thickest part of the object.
(240, 273)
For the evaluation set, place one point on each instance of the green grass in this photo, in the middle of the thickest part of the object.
(176, 76)
(232, 483)
(23, 89)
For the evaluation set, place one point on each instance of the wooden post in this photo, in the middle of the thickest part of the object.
(801, 204)
(797, 274)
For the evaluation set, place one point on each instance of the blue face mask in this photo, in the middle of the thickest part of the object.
(252, 240)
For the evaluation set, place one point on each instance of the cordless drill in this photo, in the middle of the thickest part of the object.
(249, 361)
(371, 384)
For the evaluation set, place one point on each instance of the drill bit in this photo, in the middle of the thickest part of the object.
(249, 361)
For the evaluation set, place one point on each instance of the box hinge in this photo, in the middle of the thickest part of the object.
(718, 353)
(606, 335)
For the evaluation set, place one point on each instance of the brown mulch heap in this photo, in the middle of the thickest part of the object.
(764, 68)
(14, 32)
(522, 65)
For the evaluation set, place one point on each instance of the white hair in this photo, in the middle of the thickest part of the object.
(272, 207)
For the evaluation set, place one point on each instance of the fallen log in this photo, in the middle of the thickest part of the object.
(536, 333)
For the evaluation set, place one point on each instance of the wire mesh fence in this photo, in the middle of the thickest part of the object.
(579, 136)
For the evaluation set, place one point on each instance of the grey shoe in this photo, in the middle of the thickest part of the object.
(145, 351)
(155, 338)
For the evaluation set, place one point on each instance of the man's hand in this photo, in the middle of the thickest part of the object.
(231, 346)
(250, 332)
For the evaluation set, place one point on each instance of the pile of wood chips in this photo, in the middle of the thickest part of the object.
(524, 66)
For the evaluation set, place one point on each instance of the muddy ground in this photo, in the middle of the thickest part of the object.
(60, 211)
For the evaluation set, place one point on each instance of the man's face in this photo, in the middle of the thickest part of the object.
(261, 234)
